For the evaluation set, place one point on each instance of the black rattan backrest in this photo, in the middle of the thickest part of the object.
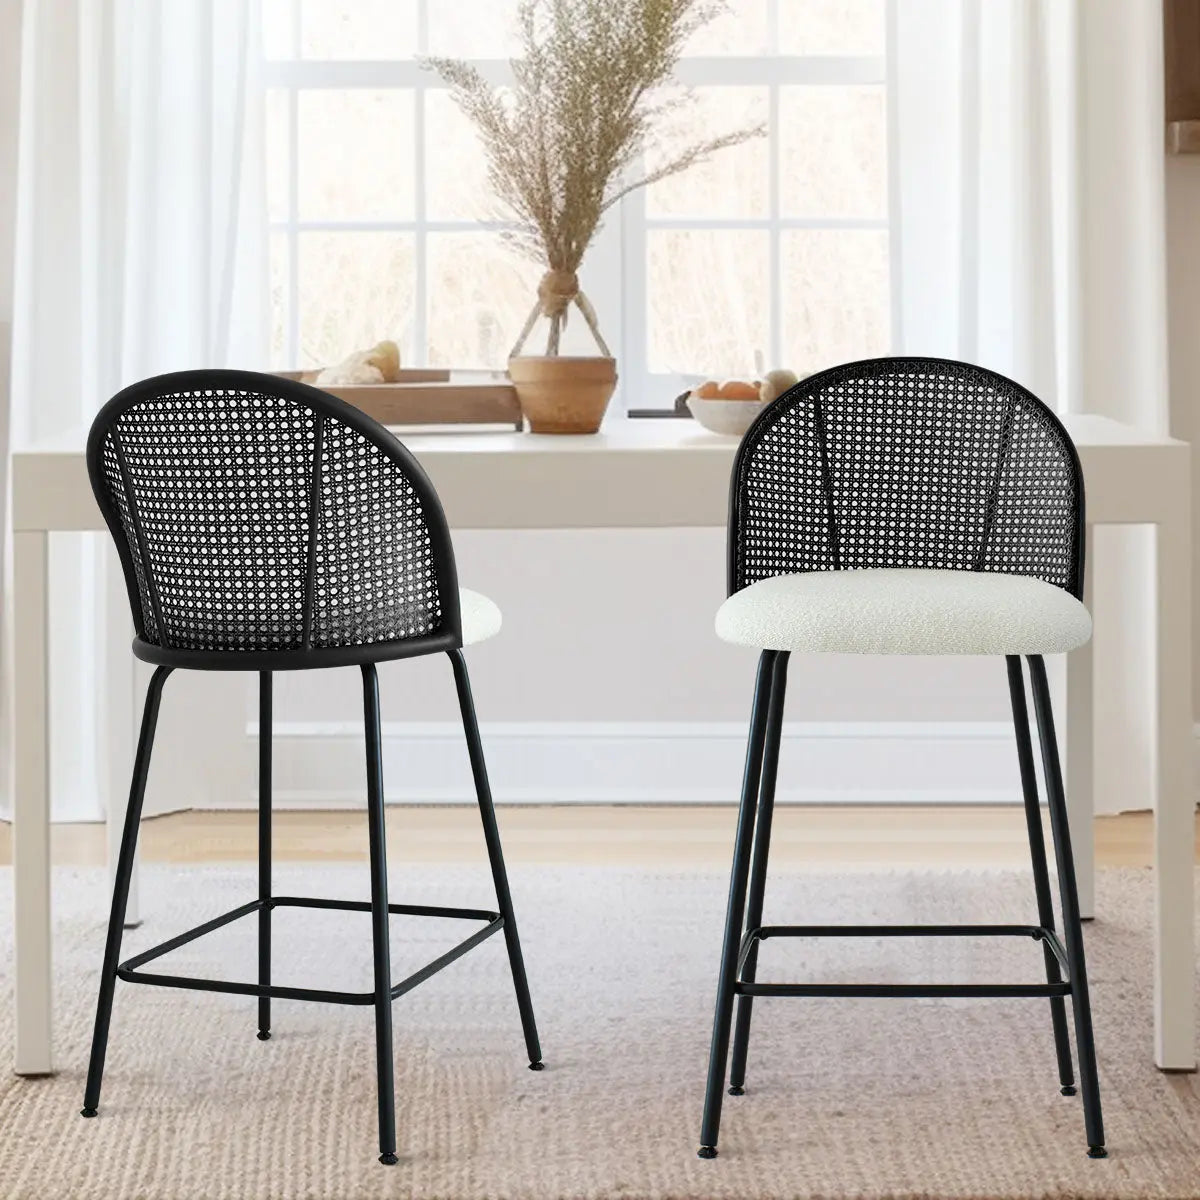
(252, 513)
(907, 462)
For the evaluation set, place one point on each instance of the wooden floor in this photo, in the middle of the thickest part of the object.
(674, 837)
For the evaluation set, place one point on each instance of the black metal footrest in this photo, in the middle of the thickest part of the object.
(129, 972)
(926, 990)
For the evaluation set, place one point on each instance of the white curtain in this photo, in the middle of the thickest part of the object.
(10, 91)
(141, 202)
(1029, 143)
(141, 248)
(1031, 223)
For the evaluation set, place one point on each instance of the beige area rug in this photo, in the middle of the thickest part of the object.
(864, 1098)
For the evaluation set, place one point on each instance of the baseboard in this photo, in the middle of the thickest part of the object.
(321, 765)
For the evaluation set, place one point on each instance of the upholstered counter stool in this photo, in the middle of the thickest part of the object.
(904, 506)
(265, 526)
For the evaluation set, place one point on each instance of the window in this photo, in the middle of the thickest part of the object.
(773, 253)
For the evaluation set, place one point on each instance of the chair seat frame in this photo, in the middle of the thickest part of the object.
(310, 659)
(1066, 971)
(753, 939)
(384, 992)
(128, 970)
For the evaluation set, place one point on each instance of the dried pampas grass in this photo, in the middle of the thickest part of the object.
(565, 144)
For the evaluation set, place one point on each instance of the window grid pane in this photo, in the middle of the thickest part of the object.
(377, 197)
(708, 301)
(478, 297)
(734, 182)
(833, 148)
(358, 29)
(831, 27)
(835, 296)
(357, 289)
(356, 154)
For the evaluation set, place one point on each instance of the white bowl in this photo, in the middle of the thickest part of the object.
(731, 418)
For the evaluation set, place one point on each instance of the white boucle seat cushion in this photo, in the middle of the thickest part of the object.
(480, 617)
(905, 611)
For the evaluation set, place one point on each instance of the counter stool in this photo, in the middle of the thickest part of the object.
(904, 506)
(266, 526)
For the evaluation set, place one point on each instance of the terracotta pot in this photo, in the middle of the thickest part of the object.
(563, 394)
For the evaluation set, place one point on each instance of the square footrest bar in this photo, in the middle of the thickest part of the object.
(745, 987)
(128, 970)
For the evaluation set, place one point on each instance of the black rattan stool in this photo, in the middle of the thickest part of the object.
(266, 526)
(904, 506)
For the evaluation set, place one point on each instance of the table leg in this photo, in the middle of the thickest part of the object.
(31, 806)
(1174, 801)
(1080, 721)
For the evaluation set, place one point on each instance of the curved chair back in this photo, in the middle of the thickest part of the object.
(907, 462)
(263, 523)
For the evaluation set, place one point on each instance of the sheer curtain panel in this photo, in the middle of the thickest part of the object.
(1028, 137)
(10, 90)
(141, 248)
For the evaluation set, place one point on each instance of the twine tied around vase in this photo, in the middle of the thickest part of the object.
(557, 291)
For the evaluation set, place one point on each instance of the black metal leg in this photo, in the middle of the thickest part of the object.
(735, 911)
(491, 835)
(379, 920)
(116, 917)
(1072, 927)
(1041, 873)
(758, 869)
(264, 851)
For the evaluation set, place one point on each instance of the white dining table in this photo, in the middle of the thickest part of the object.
(661, 474)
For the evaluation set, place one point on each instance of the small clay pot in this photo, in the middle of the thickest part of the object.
(563, 394)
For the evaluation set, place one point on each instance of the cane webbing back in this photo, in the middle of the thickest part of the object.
(255, 517)
(905, 462)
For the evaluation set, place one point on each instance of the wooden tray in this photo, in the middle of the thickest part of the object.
(427, 397)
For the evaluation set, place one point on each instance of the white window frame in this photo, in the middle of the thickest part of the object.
(614, 271)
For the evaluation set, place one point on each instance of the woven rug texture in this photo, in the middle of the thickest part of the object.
(845, 1098)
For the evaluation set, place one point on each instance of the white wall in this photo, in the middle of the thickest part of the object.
(616, 625)
(607, 684)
